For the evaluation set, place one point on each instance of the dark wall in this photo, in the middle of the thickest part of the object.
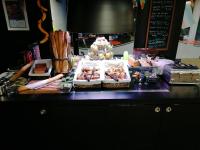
(100, 16)
(14, 43)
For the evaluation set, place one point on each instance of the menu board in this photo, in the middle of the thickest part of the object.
(159, 24)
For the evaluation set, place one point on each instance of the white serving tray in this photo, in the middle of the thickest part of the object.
(88, 63)
(39, 61)
(105, 65)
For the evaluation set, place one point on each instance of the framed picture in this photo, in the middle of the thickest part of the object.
(15, 14)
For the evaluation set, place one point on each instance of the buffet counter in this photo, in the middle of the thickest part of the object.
(158, 92)
(90, 80)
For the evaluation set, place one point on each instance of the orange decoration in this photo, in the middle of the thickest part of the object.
(142, 3)
(43, 10)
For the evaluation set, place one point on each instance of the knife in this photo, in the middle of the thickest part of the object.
(112, 77)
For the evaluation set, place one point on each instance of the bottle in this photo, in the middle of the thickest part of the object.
(125, 55)
(36, 51)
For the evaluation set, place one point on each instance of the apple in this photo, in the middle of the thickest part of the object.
(94, 48)
(108, 55)
(101, 56)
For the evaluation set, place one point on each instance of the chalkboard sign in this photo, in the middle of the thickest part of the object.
(158, 27)
(159, 24)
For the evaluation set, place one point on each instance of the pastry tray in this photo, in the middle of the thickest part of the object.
(111, 83)
(41, 61)
(84, 83)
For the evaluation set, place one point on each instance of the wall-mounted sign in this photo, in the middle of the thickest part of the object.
(160, 24)
(158, 27)
(15, 14)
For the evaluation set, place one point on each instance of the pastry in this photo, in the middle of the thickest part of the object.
(40, 68)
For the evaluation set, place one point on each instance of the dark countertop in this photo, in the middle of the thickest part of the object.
(159, 92)
(152, 93)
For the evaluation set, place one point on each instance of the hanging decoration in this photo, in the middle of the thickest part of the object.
(43, 11)
(141, 3)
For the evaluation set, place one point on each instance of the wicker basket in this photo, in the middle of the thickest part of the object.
(116, 85)
(93, 86)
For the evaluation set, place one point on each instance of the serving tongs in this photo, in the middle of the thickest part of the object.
(112, 76)
(89, 78)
